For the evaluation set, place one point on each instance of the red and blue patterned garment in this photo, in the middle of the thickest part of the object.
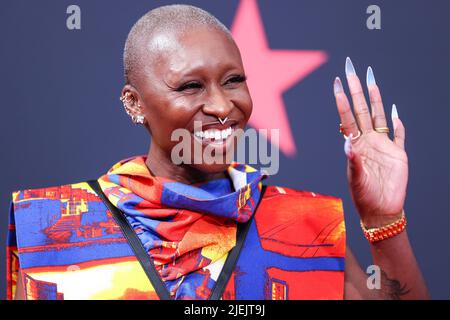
(68, 246)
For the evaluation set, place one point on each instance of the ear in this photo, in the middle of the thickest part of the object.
(131, 101)
(130, 96)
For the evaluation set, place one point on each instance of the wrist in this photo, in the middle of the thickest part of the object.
(394, 243)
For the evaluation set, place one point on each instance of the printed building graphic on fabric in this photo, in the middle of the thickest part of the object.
(41, 290)
(66, 234)
(296, 241)
(74, 220)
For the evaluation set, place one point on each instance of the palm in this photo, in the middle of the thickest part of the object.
(377, 166)
(382, 186)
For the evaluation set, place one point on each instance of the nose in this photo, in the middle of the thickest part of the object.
(218, 105)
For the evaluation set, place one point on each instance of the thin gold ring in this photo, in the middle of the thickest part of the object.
(382, 130)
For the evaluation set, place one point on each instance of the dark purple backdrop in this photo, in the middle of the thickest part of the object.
(62, 121)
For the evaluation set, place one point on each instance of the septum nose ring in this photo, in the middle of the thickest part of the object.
(222, 121)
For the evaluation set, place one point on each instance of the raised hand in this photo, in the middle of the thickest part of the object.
(377, 166)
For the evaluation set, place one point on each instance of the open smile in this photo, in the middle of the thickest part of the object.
(214, 135)
(219, 137)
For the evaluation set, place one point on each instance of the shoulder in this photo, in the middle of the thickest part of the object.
(80, 190)
(57, 214)
(297, 218)
(300, 198)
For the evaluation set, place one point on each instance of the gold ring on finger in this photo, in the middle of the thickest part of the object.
(382, 130)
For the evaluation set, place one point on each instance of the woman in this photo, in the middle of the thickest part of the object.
(155, 228)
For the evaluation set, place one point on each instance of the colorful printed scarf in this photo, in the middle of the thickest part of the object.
(188, 230)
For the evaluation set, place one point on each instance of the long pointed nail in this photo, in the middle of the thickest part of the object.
(370, 78)
(337, 86)
(349, 68)
(394, 113)
(394, 116)
(348, 146)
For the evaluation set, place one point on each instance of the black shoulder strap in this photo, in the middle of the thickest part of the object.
(135, 243)
(233, 256)
(147, 263)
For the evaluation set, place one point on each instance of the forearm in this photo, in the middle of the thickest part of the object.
(401, 277)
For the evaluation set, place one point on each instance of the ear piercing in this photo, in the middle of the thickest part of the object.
(138, 119)
(127, 99)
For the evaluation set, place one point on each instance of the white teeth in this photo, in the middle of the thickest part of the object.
(199, 134)
(217, 135)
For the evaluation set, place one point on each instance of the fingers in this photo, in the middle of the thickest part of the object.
(359, 101)
(399, 128)
(362, 118)
(348, 121)
(376, 103)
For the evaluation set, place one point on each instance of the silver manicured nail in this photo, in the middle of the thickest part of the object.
(370, 78)
(394, 113)
(349, 68)
(337, 86)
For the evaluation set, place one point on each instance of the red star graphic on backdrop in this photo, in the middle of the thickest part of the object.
(270, 72)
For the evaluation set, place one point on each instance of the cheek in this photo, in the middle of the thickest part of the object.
(244, 102)
(166, 117)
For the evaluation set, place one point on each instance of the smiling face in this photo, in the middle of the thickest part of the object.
(195, 76)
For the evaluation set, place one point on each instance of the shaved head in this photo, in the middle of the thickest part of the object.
(151, 34)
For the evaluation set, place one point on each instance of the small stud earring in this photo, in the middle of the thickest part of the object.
(139, 119)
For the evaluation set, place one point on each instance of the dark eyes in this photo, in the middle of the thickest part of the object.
(189, 85)
(197, 85)
(236, 79)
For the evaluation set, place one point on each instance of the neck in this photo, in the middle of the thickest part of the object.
(161, 165)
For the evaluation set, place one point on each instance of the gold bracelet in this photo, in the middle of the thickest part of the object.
(385, 232)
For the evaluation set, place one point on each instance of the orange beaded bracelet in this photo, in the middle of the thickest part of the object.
(385, 232)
